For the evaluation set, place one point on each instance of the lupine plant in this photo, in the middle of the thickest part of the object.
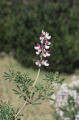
(67, 101)
(29, 90)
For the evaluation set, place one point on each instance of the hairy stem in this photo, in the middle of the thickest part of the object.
(21, 109)
(27, 103)
(36, 77)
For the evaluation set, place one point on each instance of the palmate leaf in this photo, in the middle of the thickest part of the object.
(6, 111)
(53, 77)
(39, 87)
(9, 75)
(22, 80)
(49, 76)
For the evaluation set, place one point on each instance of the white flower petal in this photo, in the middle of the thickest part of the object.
(39, 65)
(43, 32)
(47, 54)
(49, 43)
(36, 63)
(47, 47)
(36, 47)
(41, 38)
(37, 52)
(44, 55)
(47, 36)
(45, 63)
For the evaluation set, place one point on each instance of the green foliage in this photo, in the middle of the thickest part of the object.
(9, 23)
(6, 111)
(54, 78)
(21, 25)
(24, 85)
(32, 94)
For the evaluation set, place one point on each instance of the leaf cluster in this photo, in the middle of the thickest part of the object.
(6, 111)
(53, 78)
(33, 95)
(23, 83)
(24, 86)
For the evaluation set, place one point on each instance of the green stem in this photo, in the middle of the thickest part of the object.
(36, 77)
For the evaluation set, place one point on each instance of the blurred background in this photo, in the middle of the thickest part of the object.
(21, 23)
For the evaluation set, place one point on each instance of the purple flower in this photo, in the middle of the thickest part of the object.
(39, 63)
(42, 37)
(47, 44)
(46, 53)
(42, 62)
(38, 46)
(42, 49)
(38, 49)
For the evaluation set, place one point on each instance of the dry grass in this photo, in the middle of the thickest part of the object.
(40, 112)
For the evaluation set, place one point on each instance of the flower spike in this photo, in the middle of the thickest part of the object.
(42, 49)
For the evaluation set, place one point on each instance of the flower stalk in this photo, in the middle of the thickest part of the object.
(36, 77)
(42, 49)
